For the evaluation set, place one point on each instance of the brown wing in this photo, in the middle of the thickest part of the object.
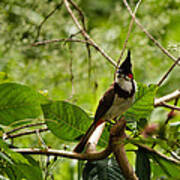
(105, 103)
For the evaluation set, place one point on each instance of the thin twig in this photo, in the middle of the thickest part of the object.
(60, 40)
(46, 18)
(167, 98)
(167, 73)
(24, 133)
(23, 127)
(92, 42)
(40, 138)
(170, 106)
(147, 148)
(165, 51)
(170, 114)
(82, 18)
(128, 33)
(71, 72)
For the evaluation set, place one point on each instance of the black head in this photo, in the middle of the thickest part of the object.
(125, 69)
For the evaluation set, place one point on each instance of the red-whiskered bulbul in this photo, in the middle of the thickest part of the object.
(115, 101)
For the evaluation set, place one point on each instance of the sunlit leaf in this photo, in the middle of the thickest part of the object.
(144, 103)
(65, 120)
(19, 165)
(18, 102)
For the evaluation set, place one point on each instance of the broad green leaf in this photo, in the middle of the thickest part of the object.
(18, 165)
(18, 102)
(143, 104)
(106, 169)
(143, 169)
(169, 168)
(161, 166)
(65, 120)
(15, 157)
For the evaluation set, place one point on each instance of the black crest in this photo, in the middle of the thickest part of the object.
(126, 66)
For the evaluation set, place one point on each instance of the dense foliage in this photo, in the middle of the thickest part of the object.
(60, 85)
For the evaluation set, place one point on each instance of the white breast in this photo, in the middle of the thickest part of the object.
(124, 84)
(119, 106)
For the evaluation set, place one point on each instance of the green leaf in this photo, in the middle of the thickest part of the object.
(18, 102)
(106, 169)
(165, 166)
(144, 103)
(65, 120)
(80, 168)
(18, 165)
(5, 157)
(160, 166)
(143, 169)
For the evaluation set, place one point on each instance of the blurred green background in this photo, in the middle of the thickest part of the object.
(48, 67)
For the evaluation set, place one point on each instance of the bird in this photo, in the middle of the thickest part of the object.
(115, 101)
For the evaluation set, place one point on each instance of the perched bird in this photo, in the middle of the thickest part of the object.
(115, 101)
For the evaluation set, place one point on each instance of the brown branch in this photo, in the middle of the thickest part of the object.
(165, 51)
(91, 41)
(5, 136)
(167, 73)
(60, 40)
(23, 127)
(46, 18)
(157, 153)
(84, 27)
(167, 98)
(72, 155)
(115, 145)
(128, 33)
(116, 140)
(171, 113)
(169, 106)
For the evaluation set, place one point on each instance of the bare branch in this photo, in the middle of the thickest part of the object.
(165, 51)
(92, 42)
(60, 40)
(5, 136)
(72, 155)
(171, 113)
(167, 98)
(169, 106)
(46, 18)
(128, 33)
(84, 27)
(167, 73)
(157, 153)
(23, 127)
(41, 139)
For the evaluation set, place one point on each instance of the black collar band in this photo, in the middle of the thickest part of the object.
(123, 93)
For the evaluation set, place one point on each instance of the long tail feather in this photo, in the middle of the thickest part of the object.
(80, 146)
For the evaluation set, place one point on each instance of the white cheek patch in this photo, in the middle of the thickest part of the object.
(124, 84)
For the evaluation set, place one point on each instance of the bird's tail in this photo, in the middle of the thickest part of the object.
(80, 146)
